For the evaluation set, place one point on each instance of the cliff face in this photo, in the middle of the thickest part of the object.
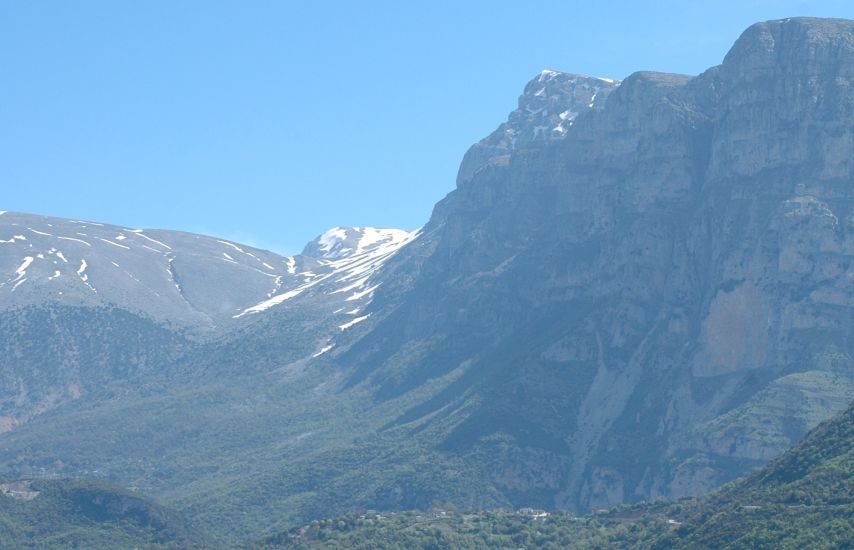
(653, 301)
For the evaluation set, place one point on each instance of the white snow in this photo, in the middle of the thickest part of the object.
(275, 300)
(348, 273)
(73, 239)
(61, 257)
(329, 240)
(112, 243)
(358, 284)
(120, 237)
(237, 248)
(39, 232)
(81, 272)
(372, 236)
(139, 233)
(22, 269)
(276, 287)
(362, 294)
(14, 238)
(228, 258)
(324, 350)
(3, 212)
(349, 324)
(547, 74)
(55, 275)
(268, 266)
(19, 283)
(171, 270)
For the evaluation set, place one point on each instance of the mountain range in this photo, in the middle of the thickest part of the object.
(638, 289)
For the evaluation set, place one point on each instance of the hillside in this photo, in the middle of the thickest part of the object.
(84, 514)
(804, 499)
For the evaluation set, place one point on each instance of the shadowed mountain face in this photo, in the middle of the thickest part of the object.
(638, 289)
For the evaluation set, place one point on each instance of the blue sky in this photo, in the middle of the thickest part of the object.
(269, 122)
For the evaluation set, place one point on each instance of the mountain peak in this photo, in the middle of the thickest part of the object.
(548, 107)
(343, 242)
(790, 42)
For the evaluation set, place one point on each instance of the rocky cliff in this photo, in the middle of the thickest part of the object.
(656, 299)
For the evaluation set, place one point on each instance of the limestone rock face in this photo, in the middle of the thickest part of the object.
(547, 110)
(653, 299)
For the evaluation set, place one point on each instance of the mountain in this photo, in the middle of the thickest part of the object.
(192, 281)
(637, 290)
(89, 309)
(650, 304)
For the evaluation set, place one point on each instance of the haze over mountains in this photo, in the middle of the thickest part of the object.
(638, 289)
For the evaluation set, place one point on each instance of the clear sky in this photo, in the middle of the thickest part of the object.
(269, 122)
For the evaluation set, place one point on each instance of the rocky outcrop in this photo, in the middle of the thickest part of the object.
(547, 110)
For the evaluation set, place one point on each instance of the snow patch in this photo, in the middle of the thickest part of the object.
(362, 294)
(81, 272)
(139, 233)
(73, 239)
(22, 269)
(373, 248)
(14, 238)
(112, 243)
(323, 350)
(349, 324)
(275, 300)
